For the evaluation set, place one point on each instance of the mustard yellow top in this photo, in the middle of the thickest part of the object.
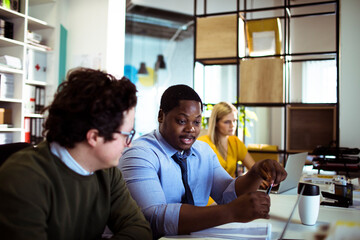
(236, 152)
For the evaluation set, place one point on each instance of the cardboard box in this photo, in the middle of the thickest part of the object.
(5, 116)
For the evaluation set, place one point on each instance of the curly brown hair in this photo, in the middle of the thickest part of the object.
(89, 99)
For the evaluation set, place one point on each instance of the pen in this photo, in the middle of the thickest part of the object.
(269, 189)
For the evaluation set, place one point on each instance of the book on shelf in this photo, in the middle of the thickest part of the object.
(39, 129)
(27, 122)
(10, 4)
(32, 131)
(36, 128)
(6, 137)
(6, 29)
(6, 85)
(34, 99)
(29, 96)
(39, 99)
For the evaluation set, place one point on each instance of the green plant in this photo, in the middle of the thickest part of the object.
(246, 117)
(206, 115)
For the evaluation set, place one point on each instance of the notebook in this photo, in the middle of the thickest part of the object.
(294, 167)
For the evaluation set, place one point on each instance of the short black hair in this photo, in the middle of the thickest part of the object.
(171, 97)
(88, 99)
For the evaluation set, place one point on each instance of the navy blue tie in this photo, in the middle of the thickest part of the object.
(188, 197)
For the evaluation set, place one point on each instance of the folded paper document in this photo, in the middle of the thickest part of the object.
(10, 61)
(237, 231)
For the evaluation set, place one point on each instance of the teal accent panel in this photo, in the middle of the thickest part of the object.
(62, 53)
(131, 73)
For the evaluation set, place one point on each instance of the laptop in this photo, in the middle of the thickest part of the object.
(294, 167)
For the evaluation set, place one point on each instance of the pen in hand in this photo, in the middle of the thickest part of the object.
(269, 189)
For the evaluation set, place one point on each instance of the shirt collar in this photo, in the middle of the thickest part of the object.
(170, 151)
(66, 158)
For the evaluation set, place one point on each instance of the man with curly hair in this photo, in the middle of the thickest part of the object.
(68, 186)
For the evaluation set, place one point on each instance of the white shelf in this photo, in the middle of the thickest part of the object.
(42, 48)
(36, 2)
(7, 42)
(10, 100)
(4, 129)
(37, 24)
(33, 115)
(31, 18)
(5, 69)
(35, 83)
(8, 13)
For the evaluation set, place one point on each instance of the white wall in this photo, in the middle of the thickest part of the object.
(91, 38)
(349, 73)
(178, 56)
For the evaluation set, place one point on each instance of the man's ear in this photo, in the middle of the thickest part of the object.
(161, 116)
(92, 137)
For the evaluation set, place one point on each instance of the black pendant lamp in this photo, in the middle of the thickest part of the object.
(160, 63)
(142, 69)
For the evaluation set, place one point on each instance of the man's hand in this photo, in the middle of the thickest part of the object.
(269, 170)
(250, 206)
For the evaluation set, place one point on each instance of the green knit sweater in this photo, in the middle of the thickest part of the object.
(41, 198)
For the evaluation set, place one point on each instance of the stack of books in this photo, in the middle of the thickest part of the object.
(6, 85)
(6, 29)
(35, 99)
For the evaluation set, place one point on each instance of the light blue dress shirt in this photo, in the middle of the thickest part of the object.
(69, 161)
(154, 179)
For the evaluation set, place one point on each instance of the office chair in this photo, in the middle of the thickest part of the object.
(6, 150)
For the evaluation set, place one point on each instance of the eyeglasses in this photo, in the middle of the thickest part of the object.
(129, 135)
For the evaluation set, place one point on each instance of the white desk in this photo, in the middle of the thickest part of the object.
(281, 207)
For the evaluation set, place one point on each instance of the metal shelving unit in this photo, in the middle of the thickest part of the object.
(288, 12)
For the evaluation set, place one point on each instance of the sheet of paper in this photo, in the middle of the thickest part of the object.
(237, 231)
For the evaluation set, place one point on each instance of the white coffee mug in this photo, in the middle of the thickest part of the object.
(309, 203)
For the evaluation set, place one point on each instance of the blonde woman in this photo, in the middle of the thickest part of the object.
(228, 147)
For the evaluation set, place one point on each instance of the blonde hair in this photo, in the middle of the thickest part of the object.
(219, 111)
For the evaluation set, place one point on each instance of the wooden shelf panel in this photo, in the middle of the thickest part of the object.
(261, 80)
(217, 61)
(310, 126)
(216, 36)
